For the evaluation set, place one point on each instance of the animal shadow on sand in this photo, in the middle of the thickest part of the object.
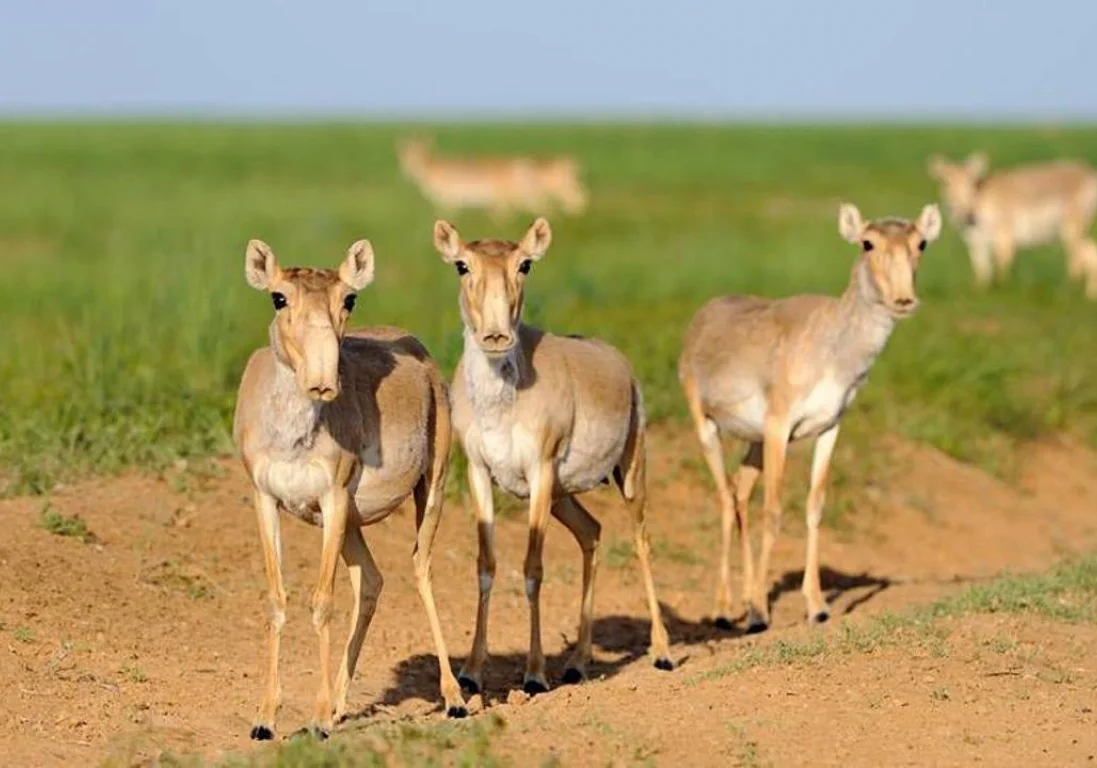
(626, 638)
(834, 584)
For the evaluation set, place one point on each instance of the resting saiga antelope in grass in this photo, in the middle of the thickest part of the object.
(339, 429)
(1029, 205)
(500, 184)
(546, 417)
(773, 371)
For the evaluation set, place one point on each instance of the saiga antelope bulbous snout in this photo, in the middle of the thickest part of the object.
(318, 371)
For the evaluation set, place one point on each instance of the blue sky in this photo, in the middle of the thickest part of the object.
(847, 58)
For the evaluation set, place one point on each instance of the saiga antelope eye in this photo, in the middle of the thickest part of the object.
(348, 302)
(922, 245)
(279, 300)
(462, 268)
(524, 267)
(866, 245)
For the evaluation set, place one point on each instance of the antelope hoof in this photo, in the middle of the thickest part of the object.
(262, 733)
(724, 623)
(457, 712)
(756, 622)
(468, 685)
(534, 687)
(573, 676)
(664, 664)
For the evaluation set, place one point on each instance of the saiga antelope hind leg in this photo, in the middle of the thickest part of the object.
(734, 501)
(631, 480)
(587, 531)
(742, 484)
(366, 583)
(428, 507)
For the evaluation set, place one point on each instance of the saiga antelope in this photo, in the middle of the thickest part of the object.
(1028, 205)
(773, 371)
(339, 429)
(499, 184)
(546, 417)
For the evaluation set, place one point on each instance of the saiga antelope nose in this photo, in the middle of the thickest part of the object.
(323, 393)
(496, 339)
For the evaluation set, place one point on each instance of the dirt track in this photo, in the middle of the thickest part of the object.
(151, 639)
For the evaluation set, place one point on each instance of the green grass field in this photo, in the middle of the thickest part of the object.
(125, 320)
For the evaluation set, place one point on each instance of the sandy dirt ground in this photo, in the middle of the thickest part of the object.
(149, 638)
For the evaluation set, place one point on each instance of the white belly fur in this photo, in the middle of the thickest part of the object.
(512, 454)
(745, 418)
(298, 485)
(580, 471)
(821, 409)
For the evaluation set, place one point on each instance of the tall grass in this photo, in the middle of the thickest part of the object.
(125, 320)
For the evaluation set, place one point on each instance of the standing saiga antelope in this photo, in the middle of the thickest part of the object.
(773, 371)
(339, 429)
(1028, 205)
(546, 417)
(499, 184)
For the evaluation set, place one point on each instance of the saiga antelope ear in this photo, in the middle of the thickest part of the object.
(447, 241)
(977, 164)
(929, 222)
(537, 239)
(357, 269)
(260, 266)
(850, 224)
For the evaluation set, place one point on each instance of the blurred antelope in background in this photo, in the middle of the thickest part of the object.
(546, 417)
(1019, 207)
(499, 184)
(773, 371)
(339, 429)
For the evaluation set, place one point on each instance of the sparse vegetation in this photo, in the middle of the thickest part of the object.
(178, 577)
(385, 745)
(94, 379)
(134, 674)
(59, 524)
(1065, 593)
(1001, 644)
(618, 553)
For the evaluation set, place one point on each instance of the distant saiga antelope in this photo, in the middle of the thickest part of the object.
(498, 184)
(1028, 205)
(339, 429)
(773, 371)
(546, 417)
